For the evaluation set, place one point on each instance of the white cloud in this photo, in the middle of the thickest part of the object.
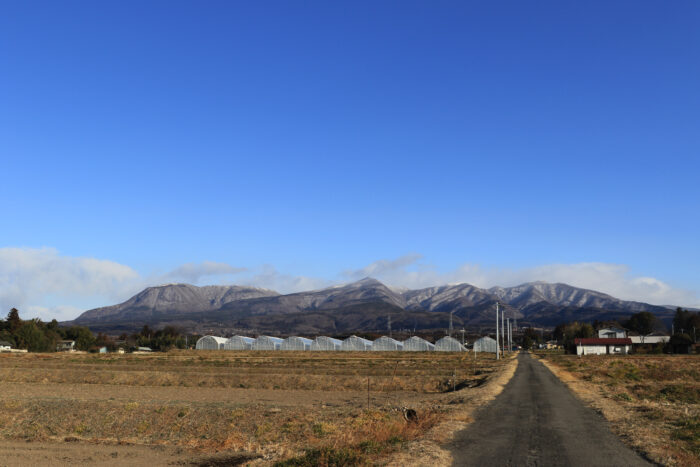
(383, 267)
(193, 272)
(613, 279)
(42, 283)
(269, 278)
(34, 277)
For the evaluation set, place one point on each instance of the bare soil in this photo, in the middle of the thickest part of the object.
(224, 408)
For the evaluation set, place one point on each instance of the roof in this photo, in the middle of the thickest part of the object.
(5, 344)
(217, 339)
(603, 341)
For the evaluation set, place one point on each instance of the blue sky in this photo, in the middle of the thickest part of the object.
(298, 144)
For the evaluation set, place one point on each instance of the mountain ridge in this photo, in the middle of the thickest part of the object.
(358, 306)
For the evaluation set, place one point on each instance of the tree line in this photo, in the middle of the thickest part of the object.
(35, 335)
(686, 326)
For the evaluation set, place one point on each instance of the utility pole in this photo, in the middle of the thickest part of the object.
(462, 331)
(389, 324)
(510, 330)
(508, 333)
(503, 333)
(498, 349)
(450, 334)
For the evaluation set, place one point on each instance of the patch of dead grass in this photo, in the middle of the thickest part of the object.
(652, 402)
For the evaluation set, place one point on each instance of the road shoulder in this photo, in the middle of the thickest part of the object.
(433, 449)
(632, 428)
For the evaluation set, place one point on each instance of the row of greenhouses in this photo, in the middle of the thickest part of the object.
(324, 343)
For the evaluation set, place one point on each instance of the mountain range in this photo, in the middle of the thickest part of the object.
(365, 305)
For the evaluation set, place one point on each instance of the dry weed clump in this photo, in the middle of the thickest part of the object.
(653, 400)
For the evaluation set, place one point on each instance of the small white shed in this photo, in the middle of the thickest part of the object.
(296, 343)
(417, 344)
(325, 343)
(386, 344)
(209, 343)
(485, 344)
(267, 343)
(448, 344)
(356, 343)
(239, 343)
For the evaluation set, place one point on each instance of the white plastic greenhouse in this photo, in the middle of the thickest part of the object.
(386, 343)
(448, 344)
(210, 343)
(356, 343)
(326, 343)
(267, 343)
(416, 344)
(296, 343)
(239, 343)
(485, 344)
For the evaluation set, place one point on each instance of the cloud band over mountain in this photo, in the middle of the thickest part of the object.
(43, 282)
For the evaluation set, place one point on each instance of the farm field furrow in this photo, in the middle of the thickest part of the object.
(265, 407)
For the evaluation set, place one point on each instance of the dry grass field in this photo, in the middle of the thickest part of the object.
(193, 407)
(652, 402)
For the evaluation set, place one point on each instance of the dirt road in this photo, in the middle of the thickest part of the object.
(537, 421)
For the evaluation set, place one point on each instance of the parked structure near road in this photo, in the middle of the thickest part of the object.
(449, 344)
(598, 346)
(485, 344)
(210, 343)
(387, 344)
(65, 346)
(325, 343)
(5, 346)
(296, 343)
(416, 344)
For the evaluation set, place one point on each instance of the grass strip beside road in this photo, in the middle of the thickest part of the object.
(652, 402)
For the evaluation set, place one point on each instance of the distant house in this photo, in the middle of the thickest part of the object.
(608, 333)
(552, 345)
(603, 346)
(65, 346)
(4, 346)
(144, 349)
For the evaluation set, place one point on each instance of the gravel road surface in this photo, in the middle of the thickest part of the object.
(537, 421)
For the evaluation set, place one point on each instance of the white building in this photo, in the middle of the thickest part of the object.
(325, 343)
(652, 339)
(239, 343)
(485, 344)
(209, 343)
(356, 343)
(386, 343)
(448, 344)
(5, 346)
(296, 343)
(416, 344)
(608, 333)
(604, 346)
(267, 343)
